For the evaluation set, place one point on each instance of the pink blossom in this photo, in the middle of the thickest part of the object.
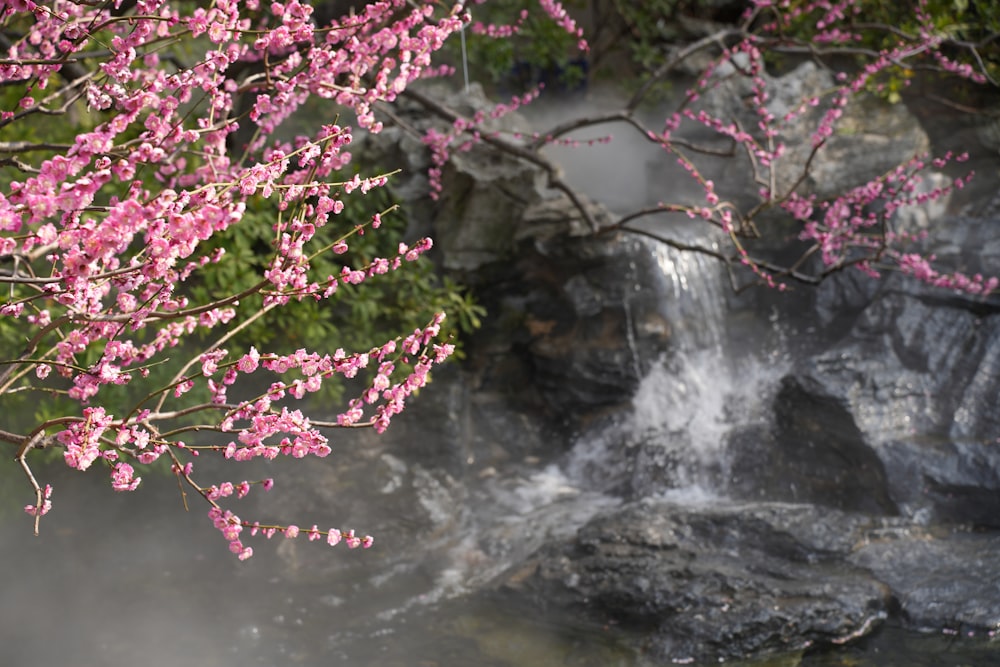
(123, 478)
(352, 541)
(46, 503)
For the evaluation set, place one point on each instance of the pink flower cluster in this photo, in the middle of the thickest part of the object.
(559, 14)
(500, 31)
(109, 232)
(231, 527)
(855, 227)
(464, 134)
(467, 132)
(842, 227)
(46, 505)
(82, 439)
(123, 477)
(920, 268)
(258, 421)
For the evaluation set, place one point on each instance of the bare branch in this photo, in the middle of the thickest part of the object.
(719, 38)
(554, 173)
(11, 147)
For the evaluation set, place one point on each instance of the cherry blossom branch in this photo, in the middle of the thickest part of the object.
(104, 232)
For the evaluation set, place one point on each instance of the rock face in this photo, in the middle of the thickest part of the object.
(570, 316)
(870, 137)
(897, 414)
(938, 583)
(592, 334)
(714, 584)
(884, 443)
(481, 183)
(722, 582)
(812, 453)
(846, 503)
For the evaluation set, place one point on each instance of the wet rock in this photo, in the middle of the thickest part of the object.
(897, 413)
(488, 191)
(890, 413)
(944, 480)
(951, 583)
(595, 326)
(841, 298)
(870, 138)
(558, 217)
(719, 582)
(573, 322)
(822, 457)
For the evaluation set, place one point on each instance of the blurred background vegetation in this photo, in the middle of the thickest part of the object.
(628, 40)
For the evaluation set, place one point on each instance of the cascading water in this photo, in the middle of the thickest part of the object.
(712, 375)
(723, 357)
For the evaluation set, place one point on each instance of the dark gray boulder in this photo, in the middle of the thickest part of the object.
(713, 583)
(899, 413)
(884, 428)
(896, 412)
(951, 583)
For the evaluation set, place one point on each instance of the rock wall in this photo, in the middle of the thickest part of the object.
(876, 457)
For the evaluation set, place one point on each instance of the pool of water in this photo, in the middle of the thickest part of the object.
(124, 579)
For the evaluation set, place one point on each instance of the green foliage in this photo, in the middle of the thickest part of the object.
(365, 315)
(356, 318)
(646, 35)
(650, 28)
(541, 50)
(970, 21)
(649, 32)
(969, 29)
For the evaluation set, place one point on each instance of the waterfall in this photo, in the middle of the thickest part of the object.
(717, 372)
(723, 355)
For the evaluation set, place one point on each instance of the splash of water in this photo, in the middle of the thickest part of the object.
(712, 377)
